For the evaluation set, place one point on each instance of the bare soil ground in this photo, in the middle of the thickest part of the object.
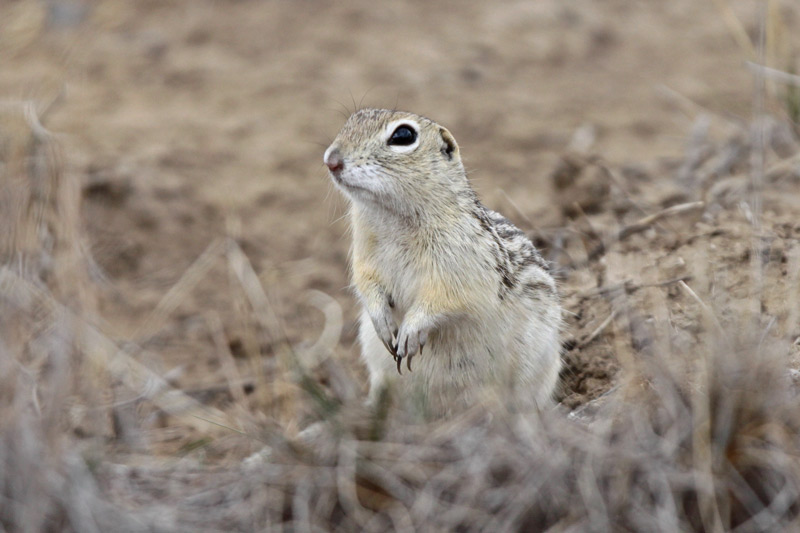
(624, 137)
(188, 122)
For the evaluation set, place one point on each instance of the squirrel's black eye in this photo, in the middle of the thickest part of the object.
(403, 136)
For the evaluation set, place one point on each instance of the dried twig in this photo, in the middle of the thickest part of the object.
(598, 330)
(645, 223)
(629, 286)
(637, 227)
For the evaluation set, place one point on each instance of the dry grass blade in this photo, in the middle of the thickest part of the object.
(175, 295)
(243, 270)
(774, 74)
(328, 339)
(235, 384)
(137, 377)
(736, 27)
(707, 311)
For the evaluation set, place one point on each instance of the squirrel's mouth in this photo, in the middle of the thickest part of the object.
(346, 182)
(336, 175)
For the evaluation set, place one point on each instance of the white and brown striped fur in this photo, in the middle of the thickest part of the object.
(442, 279)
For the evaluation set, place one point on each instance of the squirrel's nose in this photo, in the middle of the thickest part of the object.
(334, 160)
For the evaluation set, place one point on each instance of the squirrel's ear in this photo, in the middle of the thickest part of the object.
(449, 146)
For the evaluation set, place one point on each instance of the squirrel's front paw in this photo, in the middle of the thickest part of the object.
(385, 327)
(410, 340)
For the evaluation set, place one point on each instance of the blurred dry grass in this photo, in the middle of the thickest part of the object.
(703, 440)
(670, 268)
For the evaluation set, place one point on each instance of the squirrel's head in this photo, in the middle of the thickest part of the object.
(397, 160)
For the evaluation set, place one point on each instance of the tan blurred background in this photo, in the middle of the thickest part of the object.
(185, 121)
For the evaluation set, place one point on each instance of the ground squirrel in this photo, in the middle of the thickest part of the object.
(458, 279)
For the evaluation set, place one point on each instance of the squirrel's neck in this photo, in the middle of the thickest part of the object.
(435, 217)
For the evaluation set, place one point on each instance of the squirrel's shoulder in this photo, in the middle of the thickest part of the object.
(522, 268)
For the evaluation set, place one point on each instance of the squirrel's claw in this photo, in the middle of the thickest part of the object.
(421, 346)
(397, 358)
(410, 342)
(383, 323)
(390, 348)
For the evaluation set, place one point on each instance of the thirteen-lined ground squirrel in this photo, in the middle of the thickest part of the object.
(435, 269)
